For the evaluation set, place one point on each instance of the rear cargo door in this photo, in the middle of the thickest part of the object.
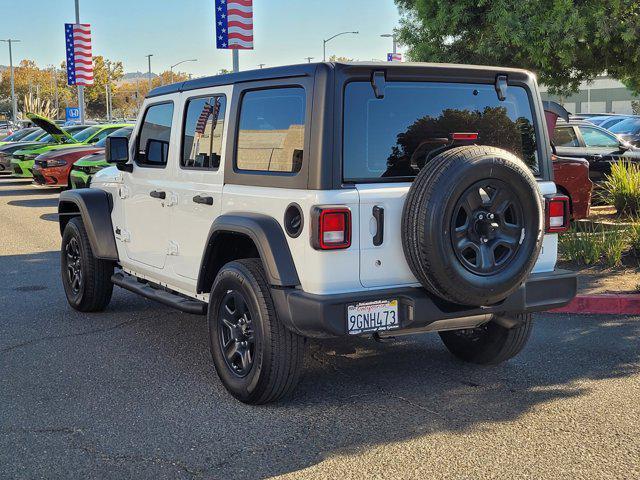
(382, 261)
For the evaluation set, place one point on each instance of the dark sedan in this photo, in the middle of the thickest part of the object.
(600, 147)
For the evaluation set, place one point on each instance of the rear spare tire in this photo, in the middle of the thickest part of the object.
(472, 225)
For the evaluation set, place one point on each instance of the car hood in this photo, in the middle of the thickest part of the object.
(62, 150)
(91, 159)
(48, 126)
(13, 147)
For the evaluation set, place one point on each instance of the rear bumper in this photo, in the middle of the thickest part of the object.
(322, 316)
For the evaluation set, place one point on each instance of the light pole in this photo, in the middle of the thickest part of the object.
(394, 37)
(324, 43)
(149, 60)
(14, 104)
(261, 65)
(309, 59)
(80, 87)
(180, 63)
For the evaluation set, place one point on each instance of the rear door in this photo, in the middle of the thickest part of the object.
(388, 140)
(197, 186)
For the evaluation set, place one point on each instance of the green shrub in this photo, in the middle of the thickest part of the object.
(582, 246)
(614, 245)
(634, 238)
(621, 188)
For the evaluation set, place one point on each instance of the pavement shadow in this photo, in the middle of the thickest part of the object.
(139, 385)
(35, 202)
(28, 190)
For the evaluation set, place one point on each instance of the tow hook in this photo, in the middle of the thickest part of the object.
(376, 336)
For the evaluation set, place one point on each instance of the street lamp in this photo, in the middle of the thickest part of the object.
(309, 59)
(395, 40)
(261, 65)
(180, 63)
(324, 43)
(149, 59)
(14, 104)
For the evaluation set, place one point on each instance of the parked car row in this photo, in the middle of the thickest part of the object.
(47, 152)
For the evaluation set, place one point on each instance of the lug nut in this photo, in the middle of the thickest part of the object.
(481, 217)
(491, 215)
(484, 240)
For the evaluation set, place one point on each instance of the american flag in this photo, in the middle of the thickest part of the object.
(79, 60)
(234, 24)
(207, 111)
(394, 57)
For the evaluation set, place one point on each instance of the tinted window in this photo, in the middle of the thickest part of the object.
(203, 126)
(396, 135)
(14, 137)
(34, 135)
(121, 132)
(630, 126)
(597, 138)
(565, 137)
(85, 133)
(271, 135)
(155, 126)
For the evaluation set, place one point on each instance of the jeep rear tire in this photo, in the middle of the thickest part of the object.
(490, 343)
(86, 279)
(472, 225)
(257, 359)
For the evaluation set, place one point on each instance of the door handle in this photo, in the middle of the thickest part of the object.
(203, 200)
(378, 214)
(158, 194)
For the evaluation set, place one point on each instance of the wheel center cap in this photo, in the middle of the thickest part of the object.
(485, 224)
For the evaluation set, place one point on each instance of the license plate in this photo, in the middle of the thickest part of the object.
(372, 316)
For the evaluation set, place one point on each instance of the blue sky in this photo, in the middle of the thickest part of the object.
(286, 31)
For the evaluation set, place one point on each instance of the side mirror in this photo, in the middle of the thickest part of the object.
(157, 152)
(117, 150)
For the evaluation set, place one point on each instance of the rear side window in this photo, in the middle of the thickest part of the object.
(395, 136)
(597, 138)
(203, 127)
(153, 141)
(565, 137)
(271, 133)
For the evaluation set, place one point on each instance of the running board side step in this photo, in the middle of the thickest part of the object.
(174, 300)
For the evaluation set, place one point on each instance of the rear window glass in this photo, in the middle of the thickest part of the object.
(630, 126)
(394, 137)
(271, 133)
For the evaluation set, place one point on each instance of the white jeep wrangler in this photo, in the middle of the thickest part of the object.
(328, 199)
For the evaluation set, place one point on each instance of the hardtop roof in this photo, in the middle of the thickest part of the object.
(309, 69)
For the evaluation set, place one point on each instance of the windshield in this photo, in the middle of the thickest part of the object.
(33, 135)
(17, 135)
(85, 134)
(121, 132)
(630, 126)
(395, 136)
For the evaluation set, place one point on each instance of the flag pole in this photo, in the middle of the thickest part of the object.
(80, 87)
(236, 60)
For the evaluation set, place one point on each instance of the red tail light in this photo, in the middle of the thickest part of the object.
(557, 214)
(331, 228)
(464, 136)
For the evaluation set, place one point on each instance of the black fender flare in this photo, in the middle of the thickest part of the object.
(94, 206)
(268, 237)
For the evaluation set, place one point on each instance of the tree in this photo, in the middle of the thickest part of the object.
(564, 41)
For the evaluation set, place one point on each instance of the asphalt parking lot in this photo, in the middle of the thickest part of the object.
(131, 392)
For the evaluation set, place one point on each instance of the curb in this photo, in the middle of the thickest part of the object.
(612, 304)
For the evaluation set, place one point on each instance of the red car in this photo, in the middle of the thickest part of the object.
(571, 174)
(53, 168)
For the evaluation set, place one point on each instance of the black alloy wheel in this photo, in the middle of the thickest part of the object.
(487, 226)
(74, 265)
(236, 333)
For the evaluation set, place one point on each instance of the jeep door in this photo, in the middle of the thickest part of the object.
(145, 196)
(198, 179)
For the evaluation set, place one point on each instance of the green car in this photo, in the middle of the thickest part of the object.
(84, 169)
(23, 160)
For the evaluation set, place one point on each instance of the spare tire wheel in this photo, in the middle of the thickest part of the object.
(472, 225)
